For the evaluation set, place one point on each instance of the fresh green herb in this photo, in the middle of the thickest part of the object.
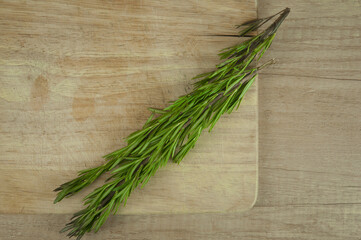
(170, 133)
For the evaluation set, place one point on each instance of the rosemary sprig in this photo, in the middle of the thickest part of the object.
(170, 133)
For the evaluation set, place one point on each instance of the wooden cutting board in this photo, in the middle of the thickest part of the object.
(76, 77)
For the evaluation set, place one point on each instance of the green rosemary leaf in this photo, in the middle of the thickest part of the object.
(123, 167)
(156, 110)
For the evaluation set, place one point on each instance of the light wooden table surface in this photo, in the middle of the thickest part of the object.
(310, 143)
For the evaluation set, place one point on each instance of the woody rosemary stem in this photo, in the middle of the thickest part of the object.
(170, 133)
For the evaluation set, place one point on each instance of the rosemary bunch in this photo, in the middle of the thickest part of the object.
(171, 132)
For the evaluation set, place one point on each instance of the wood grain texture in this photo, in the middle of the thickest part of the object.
(310, 136)
(77, 77)
(289, 222)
